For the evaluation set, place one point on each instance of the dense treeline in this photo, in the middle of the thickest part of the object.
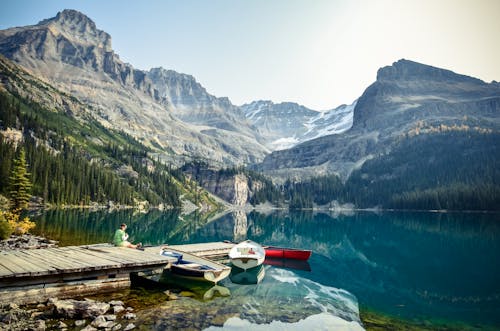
(454, 170)
(74, 162)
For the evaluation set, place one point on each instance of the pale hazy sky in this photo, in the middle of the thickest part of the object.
(317, 53)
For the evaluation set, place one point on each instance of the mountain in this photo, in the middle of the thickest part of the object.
(74, 160)
(166, 110)
(287, 124)
(193, 104)
(408, 103)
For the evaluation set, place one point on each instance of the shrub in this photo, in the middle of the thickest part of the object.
(5, 228)
(17, 225)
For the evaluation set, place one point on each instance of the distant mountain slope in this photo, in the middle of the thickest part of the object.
(287, 124)
(71, 53)
(408, 100)
(73, 159)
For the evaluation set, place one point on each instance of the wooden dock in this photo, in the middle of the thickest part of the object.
(211, 250)
(35, 275)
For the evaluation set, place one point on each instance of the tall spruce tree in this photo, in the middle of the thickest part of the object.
(19, 182)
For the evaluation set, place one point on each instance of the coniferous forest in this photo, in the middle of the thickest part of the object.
(76, 164)
(463, 174)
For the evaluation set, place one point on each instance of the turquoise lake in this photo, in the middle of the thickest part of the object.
(418, 266)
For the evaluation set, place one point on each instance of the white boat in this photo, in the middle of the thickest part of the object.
(247, 254)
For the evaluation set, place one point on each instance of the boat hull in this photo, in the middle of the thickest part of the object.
(197, 268)
(247, 263)
(247, 255)
(287, 253)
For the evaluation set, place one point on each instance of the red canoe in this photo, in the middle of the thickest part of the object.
(287, 253)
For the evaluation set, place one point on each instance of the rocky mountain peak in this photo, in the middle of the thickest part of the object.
(406, 70)
(78, 28)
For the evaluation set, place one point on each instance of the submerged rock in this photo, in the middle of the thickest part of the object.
(73, 308)
(129, 316)
(130, 326)
(116, 303)
(89, 328)
(118, 309)
(80, 322)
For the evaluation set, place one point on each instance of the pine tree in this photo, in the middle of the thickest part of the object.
(19, 182)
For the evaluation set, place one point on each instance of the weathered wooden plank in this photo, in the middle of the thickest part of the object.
(123, 258)
(135, 256)
(4, 271)
(113, 258)
(204, 248)
(57, 260)
(9, 262)
(102, 259)
(22, 254)
(61, 262)
(93, 261)
(22, 264)
(127, 257)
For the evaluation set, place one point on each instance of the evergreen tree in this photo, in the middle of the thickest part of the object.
(19, 182)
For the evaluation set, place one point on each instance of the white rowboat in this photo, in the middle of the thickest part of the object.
(247, 254)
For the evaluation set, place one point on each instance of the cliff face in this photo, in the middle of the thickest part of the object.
(233, 187)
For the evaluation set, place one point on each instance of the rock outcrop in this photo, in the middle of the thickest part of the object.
(233, 187)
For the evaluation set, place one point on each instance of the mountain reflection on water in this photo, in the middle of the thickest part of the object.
(283, 300)
(422, 266)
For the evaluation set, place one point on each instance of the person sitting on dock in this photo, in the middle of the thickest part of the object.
(120, 238)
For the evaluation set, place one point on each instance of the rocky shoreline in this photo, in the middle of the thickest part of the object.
(26, 241)
(55, 314)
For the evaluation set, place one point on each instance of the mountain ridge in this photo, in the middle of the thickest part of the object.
(123, 97)
(389, 110)
(163, 108)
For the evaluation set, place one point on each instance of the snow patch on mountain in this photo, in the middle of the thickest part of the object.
(333, 121)
(287, 124)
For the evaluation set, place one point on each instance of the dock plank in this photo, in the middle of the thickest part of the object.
(22, 254)
(4, 271)
(113, 258)
(18, 269)
(95, 261)
(99, 258)
(133, 256)
(61, 262)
